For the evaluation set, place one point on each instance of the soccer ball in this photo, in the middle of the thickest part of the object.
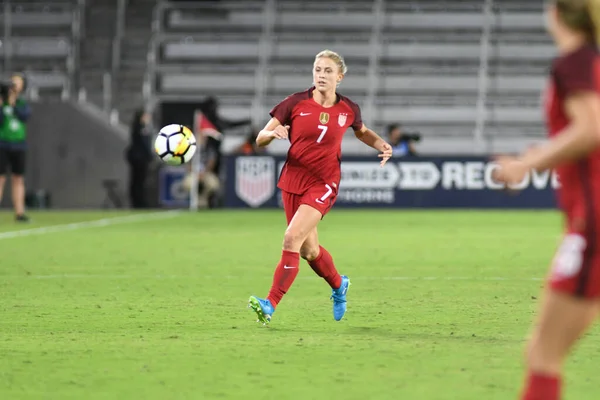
(175, 144)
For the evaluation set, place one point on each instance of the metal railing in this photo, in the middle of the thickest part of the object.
(110, 75)
(77, 29)
(107, 91)
(482, 91)
(264, 48)
(116, 50)
(374, 57)
(148, 86)
(7, 34)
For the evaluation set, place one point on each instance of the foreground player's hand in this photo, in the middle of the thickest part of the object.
(281, 132)
(386, 153)
(511, 170)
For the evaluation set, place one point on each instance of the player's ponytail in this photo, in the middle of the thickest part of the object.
(594, 13)
(582, 16)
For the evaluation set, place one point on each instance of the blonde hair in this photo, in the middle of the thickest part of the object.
(336, 58)
(581, 15)
(594, 12)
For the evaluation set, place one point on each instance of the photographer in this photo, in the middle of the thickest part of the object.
(13, 115)
(403, 143)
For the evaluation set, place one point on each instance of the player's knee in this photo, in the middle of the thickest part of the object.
(292, 240)
(541, 360)
(309, 253)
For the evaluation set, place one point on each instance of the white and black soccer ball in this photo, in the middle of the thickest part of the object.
(175, 144)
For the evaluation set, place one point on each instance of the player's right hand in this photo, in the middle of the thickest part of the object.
(511, 170)
(281, 132)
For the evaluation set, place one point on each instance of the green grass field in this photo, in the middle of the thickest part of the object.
(155, 308)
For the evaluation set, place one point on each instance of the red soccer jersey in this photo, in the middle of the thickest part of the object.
(579, 194)
(315, 135)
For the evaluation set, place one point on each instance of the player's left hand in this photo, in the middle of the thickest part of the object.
(386, 153)
(511, 170)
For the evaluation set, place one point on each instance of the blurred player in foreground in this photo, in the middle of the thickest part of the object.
(571, 300)
(314, 121)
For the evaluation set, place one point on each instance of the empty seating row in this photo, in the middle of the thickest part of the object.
(38, 41)
(180, 21)
(40, 47)
(401, 51)
(394, 83)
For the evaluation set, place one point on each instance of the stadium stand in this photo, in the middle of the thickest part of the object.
(468, 73)
(114, 51)
(41, 40)
(203, 50)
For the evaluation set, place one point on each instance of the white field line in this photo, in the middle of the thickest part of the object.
(358, 278)
(99, 223)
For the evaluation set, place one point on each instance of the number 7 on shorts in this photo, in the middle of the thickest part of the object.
(326, 195)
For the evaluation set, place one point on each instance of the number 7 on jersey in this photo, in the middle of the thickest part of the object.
(323, 129)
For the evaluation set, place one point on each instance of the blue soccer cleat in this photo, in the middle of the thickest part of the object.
(263, 309)
(339, 299)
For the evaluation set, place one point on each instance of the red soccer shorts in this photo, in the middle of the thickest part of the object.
(320, 197)
(576, 266)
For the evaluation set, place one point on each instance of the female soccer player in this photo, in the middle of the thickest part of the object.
(315, 122)
(572, 299)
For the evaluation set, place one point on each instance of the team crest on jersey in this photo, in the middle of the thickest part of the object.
(342, 119)
(324, 117)
(254, 179)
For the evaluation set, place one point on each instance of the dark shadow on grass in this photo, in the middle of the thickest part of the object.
(370, 331)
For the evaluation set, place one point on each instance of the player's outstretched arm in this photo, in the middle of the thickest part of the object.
(272, 130)
(372, 139)
(581, 137)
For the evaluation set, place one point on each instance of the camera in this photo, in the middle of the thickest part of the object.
(411, 137)
(5, 88)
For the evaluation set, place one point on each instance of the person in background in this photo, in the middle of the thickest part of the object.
(249, 147)
(402, 144)
(210, 138)
(139, 157)
(13, 134)
(209, 182)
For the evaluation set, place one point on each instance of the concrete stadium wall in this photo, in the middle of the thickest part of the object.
(70, 153)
